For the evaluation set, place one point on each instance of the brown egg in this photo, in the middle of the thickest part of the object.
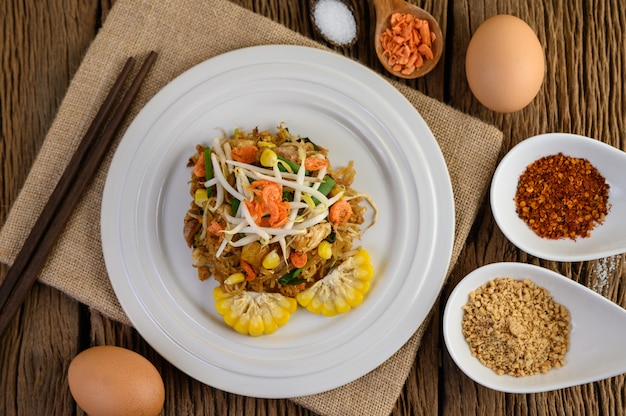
(110, 380)
(504, 64)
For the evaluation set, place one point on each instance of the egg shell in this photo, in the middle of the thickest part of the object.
(110, 380)
(504, 64)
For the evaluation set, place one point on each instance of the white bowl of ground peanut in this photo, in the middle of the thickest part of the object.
(562, 197)
(520, 328)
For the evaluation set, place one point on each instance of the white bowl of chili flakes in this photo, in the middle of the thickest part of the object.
(562, 197)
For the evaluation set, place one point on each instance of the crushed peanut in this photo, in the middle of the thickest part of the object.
(515, 327)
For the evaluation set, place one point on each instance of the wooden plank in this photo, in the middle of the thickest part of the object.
(43, 44)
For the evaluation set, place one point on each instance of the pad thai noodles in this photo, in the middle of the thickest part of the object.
(272, 221)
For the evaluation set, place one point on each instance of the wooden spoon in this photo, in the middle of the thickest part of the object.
(384, 10)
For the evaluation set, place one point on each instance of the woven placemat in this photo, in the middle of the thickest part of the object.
(185, 33)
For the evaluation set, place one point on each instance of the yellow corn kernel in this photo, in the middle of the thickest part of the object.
(222, 306)
(268, 158)
(265, 144)
(328, 308)
(354, 297)
(231, 317)
(288, 304)
(315, 306)
(365, 272)
(271, 260)
(306, 297)
(235, 278)
(325, 250)
(342, 289)
(362, 286)
(242, 325)
(201, 196)
(220, 295)
(269, 324)
(279, 314)
(256, 326)
(362, 257)
(341, 306)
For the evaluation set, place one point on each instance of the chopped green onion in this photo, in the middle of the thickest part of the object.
(234, 204)
(326, 186)
(291, 278)
(287, 196)
(292, 165)
(208, 167)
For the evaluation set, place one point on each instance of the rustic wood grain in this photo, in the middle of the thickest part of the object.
(42, 45)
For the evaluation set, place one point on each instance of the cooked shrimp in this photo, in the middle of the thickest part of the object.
(315, 163)
(246, 154)
(407, 43)
(214, 228)
(340, 212)
(270, 200)
(248, 271)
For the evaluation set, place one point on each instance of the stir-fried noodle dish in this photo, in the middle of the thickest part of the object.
(275, 224)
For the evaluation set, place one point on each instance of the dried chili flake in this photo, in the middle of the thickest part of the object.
(560, 196)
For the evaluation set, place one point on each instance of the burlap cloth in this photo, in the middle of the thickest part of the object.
(185, 33)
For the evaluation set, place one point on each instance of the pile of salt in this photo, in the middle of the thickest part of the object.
(335, 21)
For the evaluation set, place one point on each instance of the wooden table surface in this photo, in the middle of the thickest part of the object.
(584, 92)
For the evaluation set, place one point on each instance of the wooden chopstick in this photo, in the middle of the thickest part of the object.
(58, 209)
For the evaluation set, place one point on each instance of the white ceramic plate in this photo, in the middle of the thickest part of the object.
(606, 239)
(344, 107)
(597, 337)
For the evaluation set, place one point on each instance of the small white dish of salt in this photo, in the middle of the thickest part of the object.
(596, 329)
(334, 21)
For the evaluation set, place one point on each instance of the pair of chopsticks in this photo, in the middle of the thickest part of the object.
(80, 170)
